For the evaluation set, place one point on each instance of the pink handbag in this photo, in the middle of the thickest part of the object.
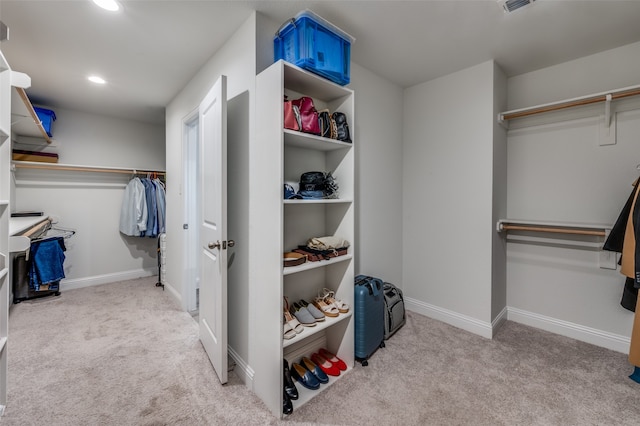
(291, 116)
(308, 115)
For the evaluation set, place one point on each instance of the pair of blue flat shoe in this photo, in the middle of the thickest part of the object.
(308, 374)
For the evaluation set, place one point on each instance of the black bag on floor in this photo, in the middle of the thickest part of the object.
(394, 315)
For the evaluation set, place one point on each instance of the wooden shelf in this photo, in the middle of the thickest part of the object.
(24, 120)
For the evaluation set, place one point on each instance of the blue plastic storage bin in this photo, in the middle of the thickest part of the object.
(47, 117)
(316, 45)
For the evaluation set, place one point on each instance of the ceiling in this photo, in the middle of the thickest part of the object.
(150, 50)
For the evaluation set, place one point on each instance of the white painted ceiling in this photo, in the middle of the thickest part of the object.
(152, 48)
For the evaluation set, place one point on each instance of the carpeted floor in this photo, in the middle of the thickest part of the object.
(124, 354)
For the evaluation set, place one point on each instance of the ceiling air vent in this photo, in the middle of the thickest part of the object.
(513, 5)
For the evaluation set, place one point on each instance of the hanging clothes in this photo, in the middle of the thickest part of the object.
(624, 238)
(152, 209)
(161, 204)
(133, 213)
(143, 211)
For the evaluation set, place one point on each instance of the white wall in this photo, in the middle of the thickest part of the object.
(499, 199)
(448, 197)
(90, 202)
(237, 60)
(378, 147)
(558, 171)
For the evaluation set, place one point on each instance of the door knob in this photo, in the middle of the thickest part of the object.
(231, 243)
(214, 245)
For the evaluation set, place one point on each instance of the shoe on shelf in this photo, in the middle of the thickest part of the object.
(289, 387)
(288, 332)
(303, 315)
(329, 298)
(333, 359)
(325, 365)
(315, 312)
(328, 310)
(289, 319)
(305, 377)
(317, 371)
(287, 405)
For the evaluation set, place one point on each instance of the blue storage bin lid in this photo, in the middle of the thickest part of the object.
(46, 112)
(311, 15)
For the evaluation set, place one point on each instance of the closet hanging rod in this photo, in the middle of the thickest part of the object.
(553, 230)
(570, 103)
(70, 167)
(553, 227)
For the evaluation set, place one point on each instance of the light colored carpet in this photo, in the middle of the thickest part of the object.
(124, 354)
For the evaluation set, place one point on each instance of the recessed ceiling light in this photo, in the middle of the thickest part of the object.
(110, 5)
(96, 79)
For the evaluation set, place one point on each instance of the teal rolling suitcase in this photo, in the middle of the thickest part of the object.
(369, 317)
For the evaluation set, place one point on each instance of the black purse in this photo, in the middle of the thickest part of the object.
(318, 185)
(342, 126)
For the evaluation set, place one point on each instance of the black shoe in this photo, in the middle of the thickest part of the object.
(289, 387)
(287, 405)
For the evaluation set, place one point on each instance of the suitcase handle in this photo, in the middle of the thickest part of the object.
(373, 288)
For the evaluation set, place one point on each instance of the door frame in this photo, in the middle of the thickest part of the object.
(191, 210)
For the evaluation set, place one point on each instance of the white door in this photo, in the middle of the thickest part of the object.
(213, 226)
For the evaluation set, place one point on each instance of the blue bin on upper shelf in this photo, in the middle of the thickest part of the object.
(47, 117)
(316, 45)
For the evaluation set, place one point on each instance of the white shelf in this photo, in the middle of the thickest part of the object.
(301, 81)
(320, 326)
(288, 270)
(3, 343)
(305, 395)
(323, 201)
(318, 143)
(4, 202)
(3, 273)
(20, 224)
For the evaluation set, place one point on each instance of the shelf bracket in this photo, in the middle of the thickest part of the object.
(502, 121)
(607, 132)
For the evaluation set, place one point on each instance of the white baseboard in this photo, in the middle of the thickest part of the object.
(473, 325)
(590, 335)
(73, 283)
(242, 369)
(594, 336)
(499, 320)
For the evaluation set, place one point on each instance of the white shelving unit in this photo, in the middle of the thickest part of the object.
(5, 212)
(279, 225)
